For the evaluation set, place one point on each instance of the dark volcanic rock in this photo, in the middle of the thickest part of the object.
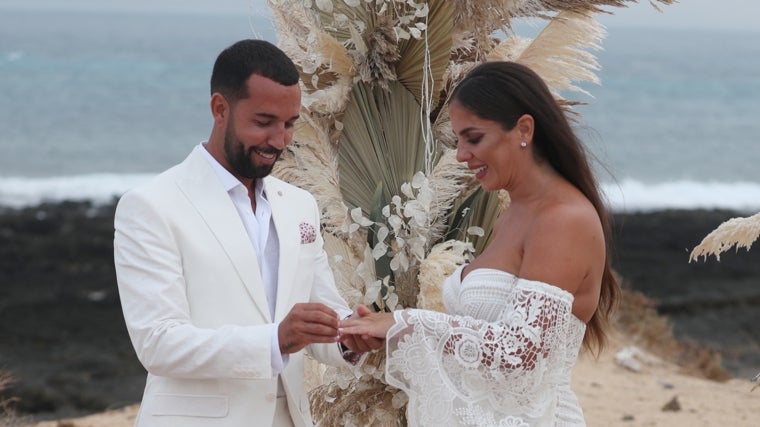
(62, 335)
(715, 303)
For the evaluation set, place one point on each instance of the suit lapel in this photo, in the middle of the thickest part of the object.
(206, 194)
(285, 222)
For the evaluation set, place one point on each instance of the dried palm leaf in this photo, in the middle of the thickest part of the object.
(739, 232)
(381, 145)
(431, 52)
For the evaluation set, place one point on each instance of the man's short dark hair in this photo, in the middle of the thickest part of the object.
(238, 62)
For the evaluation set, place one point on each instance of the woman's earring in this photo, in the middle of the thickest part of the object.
(523, 144)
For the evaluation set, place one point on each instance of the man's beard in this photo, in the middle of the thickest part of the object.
(240, 159)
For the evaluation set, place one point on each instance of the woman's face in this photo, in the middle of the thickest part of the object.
(488, 149)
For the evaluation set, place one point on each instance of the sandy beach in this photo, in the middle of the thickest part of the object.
(659, 395)
(610, 394)
(63, 339)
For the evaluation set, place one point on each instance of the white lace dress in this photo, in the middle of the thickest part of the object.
(502, 357)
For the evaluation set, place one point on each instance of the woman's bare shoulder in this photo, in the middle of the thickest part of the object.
(565, 246)
(569, 216)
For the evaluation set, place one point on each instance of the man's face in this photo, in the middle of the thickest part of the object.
(260, 126)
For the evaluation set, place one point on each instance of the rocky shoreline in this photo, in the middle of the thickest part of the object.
(714, 303)
(63, 338)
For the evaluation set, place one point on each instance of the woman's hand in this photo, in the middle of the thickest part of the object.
(361, 344)
(368, 325)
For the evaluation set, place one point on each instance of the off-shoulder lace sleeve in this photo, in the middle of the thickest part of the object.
(458, 370)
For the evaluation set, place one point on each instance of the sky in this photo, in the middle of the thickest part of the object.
(701, 14)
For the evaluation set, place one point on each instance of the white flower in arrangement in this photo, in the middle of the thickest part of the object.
(359, 220)
(403, 237)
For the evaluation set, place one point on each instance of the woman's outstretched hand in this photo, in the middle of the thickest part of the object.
(368, 325)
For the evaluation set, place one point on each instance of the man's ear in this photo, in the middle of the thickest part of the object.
(525, 125)
(220, 109)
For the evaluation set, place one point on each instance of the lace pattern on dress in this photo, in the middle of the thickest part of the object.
(483, 366)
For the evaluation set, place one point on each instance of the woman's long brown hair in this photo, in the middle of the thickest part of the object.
(503, 92)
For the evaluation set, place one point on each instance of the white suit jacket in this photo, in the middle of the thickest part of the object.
(194, 303)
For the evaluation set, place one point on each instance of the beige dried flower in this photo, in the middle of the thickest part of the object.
(741, 232)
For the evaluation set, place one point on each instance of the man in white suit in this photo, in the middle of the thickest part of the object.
(221, 270)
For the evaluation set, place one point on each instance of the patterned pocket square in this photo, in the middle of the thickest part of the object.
(308, 233)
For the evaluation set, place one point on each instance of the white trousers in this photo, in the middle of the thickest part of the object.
(281, 414)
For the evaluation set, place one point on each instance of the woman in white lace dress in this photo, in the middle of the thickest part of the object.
(519, 313)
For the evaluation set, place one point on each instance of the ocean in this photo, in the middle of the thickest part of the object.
(95, 102)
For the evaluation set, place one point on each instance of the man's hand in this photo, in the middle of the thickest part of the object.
(307, 323)
(358, 343)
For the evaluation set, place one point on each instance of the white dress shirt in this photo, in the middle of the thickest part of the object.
(263, 236)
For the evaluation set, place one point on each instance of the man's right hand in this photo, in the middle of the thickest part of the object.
(307, 323)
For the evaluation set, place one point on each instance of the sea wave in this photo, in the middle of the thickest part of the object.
(21, 192)
(625, 196)
(635, 196)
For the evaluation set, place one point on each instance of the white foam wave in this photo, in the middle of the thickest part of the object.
(635, 196)
(625, 196)
(19, 192)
